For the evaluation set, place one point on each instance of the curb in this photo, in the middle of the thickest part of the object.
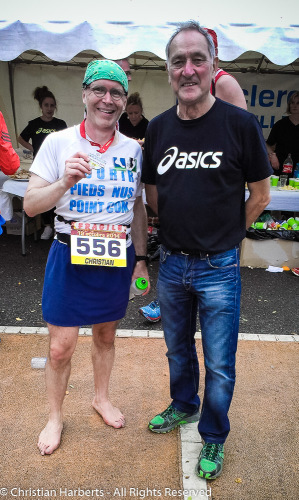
(152, 334)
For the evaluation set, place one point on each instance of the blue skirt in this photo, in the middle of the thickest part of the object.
(78, 295)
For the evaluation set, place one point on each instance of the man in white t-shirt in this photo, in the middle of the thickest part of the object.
(91, 174)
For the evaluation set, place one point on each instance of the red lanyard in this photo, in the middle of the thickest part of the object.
(103, 148)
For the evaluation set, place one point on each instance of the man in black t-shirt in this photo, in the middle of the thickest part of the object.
(198, 156)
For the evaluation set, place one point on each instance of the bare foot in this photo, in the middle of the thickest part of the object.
(49, 438)
(110, 414)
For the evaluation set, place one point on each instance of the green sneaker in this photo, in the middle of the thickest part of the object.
(210, 461)
(170, 418)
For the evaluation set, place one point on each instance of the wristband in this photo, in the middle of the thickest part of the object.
(141, 257)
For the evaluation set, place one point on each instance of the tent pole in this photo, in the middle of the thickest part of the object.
(12, 96)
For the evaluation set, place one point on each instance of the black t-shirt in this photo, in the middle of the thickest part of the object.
(200, 168)
(37, 130)
(286, 137)
(135, 132)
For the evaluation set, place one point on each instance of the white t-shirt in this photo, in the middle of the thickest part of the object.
(105, 196)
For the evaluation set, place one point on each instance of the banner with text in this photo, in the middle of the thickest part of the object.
(267, 96)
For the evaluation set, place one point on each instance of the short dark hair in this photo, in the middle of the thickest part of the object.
(189, 26)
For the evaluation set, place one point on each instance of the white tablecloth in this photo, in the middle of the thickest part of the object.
(10, 188)
(282, 200)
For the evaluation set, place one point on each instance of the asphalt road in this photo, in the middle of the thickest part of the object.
(269, 300)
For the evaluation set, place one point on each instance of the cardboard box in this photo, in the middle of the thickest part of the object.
(14, 226)
(264, 253)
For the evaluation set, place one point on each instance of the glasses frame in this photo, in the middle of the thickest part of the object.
(96, 92)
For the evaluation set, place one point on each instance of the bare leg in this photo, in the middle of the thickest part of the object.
(103, 353)
(62, 345)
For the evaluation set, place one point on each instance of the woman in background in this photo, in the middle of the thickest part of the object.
(36, 131)
(133, 124)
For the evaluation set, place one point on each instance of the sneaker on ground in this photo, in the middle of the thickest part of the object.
(295, 271)
(151, 312)
(210, 461)
(170, 418)
(47, 233)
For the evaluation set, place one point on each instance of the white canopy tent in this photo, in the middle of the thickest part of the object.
(259, 46)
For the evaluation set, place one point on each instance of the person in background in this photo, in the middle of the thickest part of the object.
(125, 65)
(9, 160)
(284, 137)
(132, 123)
(91, 173)
(36, 132)
(198, 155)
(225, 87)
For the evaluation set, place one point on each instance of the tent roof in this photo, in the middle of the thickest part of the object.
(62, 41)
(261, 36)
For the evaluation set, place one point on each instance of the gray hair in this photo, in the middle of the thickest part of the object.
(189, 26)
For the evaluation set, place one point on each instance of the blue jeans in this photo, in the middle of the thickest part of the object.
(211, 285)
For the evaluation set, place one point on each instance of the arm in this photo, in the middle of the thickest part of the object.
(24, 143)
(139, 238)
(152, 197)
(259, 197)
(272, 156)
(9, 160)
(41, 195)
(228, 89)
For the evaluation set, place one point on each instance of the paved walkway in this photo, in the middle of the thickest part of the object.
(261, 451)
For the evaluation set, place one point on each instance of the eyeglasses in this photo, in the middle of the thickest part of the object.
(100, 92)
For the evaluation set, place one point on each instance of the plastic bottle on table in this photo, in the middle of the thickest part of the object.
(296, 171)
(138, 287)
(287, 165)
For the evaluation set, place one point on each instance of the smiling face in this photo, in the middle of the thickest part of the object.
(191, 68)
(103, 112)
(48, 108)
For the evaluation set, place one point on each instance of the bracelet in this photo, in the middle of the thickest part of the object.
(141, 257)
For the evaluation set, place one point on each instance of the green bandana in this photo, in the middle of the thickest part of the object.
(105, 70)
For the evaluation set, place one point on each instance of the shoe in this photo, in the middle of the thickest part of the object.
(170, 418)
(47, 233)
(151, 312)
(210, 461)
(295, 271)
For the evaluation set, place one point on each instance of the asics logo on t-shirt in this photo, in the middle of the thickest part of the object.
(184, 160)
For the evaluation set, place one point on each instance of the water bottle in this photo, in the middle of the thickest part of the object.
(38, 362)
(296, 171)
(138, 287)
(287, 165)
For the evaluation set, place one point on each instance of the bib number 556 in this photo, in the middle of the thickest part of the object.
(99, 247)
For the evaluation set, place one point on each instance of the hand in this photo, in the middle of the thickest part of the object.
(274, 162)
(76, 168)
(140, 271)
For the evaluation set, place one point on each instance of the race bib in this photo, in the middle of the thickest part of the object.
(98, 244)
